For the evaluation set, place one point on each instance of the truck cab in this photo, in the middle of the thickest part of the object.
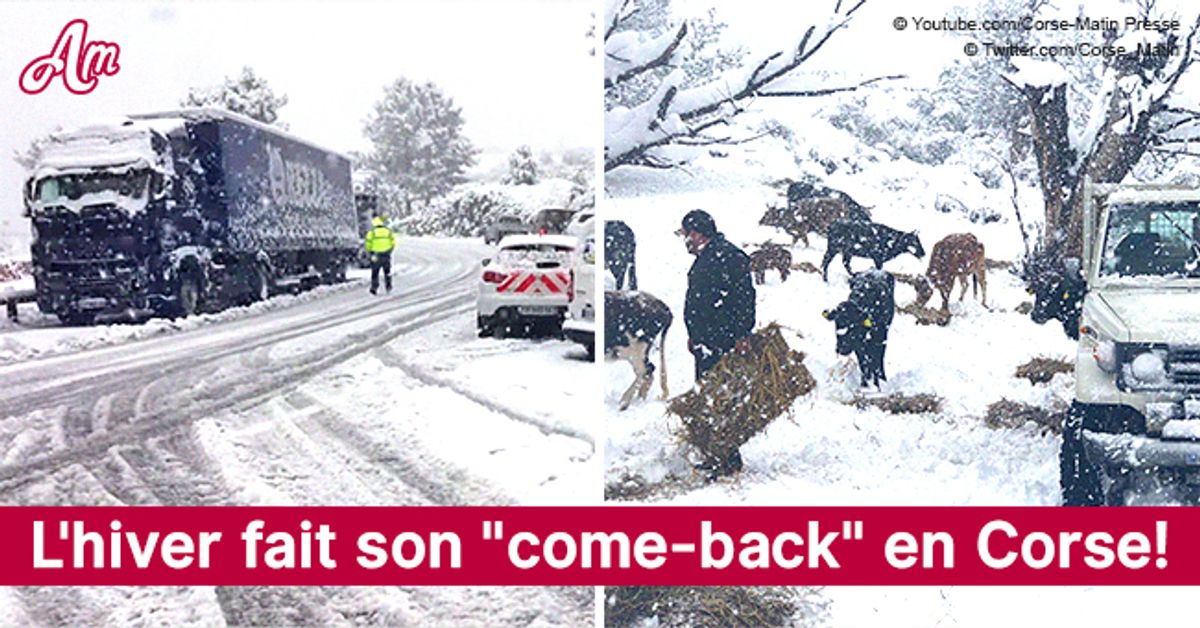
(182, 212)
(1133, 435)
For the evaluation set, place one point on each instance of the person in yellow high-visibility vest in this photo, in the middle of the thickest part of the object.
(380, 243)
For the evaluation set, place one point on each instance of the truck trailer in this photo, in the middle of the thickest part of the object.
(184, 211)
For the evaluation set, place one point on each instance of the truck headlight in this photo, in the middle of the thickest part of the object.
(1105, 353)
(1148, 368)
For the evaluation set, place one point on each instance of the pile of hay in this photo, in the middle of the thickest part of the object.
(629, 487)
(899, 403)
(704, 606)
(1006, 414)
(806, 267)
(738, 397)
(926, 315)
(1041, 369)
(921, 284)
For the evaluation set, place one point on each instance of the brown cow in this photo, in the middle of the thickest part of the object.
(955, 258)
(812, 215)
(768, 257)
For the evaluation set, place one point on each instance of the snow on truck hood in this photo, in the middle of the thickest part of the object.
(1170, 316)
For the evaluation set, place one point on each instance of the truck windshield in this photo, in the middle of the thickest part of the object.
(1158, 239)
(72, 187)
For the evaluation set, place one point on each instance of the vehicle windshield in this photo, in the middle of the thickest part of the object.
(532, 254)
(72, 187)
(1152, 239)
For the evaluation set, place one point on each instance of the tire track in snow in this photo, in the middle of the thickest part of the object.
(391, 358)
(438, 483)
(250, 393)
(169, 362)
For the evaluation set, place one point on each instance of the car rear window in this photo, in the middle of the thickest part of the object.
(535, 255)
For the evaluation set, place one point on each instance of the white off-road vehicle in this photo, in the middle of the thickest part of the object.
(1133, 435)
(580, 326)
(525, 287)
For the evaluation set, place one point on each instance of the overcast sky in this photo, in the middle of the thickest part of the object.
(520, 70)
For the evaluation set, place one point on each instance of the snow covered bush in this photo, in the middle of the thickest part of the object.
(464, 213)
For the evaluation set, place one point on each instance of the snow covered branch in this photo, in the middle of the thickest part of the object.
(677, 113)
(832, 90)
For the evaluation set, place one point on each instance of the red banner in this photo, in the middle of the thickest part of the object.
(608, 545)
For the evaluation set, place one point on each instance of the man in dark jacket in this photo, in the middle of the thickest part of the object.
(719, 309)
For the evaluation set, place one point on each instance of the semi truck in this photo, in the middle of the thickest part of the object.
(1133, 433)
(182, 212)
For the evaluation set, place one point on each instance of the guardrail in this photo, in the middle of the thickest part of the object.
(12, 298)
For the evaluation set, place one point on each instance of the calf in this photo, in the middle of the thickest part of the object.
(955, 258)
(813, 215)
(878, 242)
(619, 249)
(862, 322)
(632, 320)
(1059, 295)
(768, 257)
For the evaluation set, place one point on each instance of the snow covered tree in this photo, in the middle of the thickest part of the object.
(522, 168)
(418, 143)
(682, 109)
(248, 94)
(33, 153)
(1135, 110)
(700, 56)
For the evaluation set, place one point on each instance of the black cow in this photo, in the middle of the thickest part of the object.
(619, 253)
(1059, 296)
(862, 322)
(632, 320)
(878, 242)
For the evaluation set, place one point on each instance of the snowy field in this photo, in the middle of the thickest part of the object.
(334, 397)
(830, 453)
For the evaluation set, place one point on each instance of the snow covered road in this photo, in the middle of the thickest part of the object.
(336, 398)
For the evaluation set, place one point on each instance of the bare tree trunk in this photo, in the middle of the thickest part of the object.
(1052, 148)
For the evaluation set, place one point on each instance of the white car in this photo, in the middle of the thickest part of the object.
(580, 326)
(526, 286)
(582, 224)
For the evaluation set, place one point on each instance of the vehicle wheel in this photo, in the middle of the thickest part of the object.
(187, 295)
(1079, 478)
(75, 318)
(501, 330)
(481, 324)
(591, 351)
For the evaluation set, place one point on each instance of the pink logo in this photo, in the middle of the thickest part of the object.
(80, 62)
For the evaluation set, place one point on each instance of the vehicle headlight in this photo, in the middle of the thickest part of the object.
(1105, 353)
(1148, 368)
